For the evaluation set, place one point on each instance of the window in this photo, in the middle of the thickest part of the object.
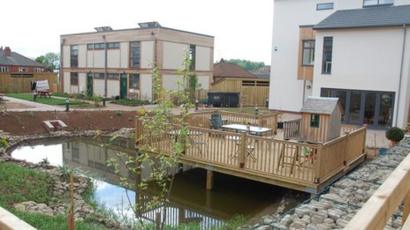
(101, 46)
(74, 56)
(113, 45)
(134, 81)
(325, 6)
(262, 83)
(248, 83)
(38, 69)
(192, 54)
(22, 69)
(74, 79)
(308, 52)
(369, 3)
(327, 55)
(135, 51)
(4, 69)
(113, 76)
(314, 120)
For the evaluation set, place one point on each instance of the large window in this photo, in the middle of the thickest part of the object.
(134, 81)
(4, 69)
(308, 52)
(327, 55)
(74, 56)
(101, 46)
(325, 6)
(369, 3)
(135, 54)
(192, 54)
(74, 79)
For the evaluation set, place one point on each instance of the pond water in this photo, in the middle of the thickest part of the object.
(190, 201)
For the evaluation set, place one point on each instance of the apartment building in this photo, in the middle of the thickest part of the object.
(356, 50)
(125, 58)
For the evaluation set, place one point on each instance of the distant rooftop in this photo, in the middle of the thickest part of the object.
(367, 17)
(263, 72)
(224, 69)
(320, 105)
(9, 58)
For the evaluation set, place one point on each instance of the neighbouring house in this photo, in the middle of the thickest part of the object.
(231, 80)
(356, 50)
(126, 58)
(17, 72)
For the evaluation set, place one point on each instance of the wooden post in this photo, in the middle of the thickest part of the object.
(406, 207)
(70, 217)
(157, 221)
(318, 164)
(242, 150)
(209, 180)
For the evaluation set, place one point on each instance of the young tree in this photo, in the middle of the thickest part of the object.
(157, 124)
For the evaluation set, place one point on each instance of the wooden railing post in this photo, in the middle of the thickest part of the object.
(406, 207)
(318, 164)
(242, 150)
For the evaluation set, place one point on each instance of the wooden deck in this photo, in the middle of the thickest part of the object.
(301, 166)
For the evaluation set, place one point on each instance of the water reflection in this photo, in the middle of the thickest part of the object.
(190, 202)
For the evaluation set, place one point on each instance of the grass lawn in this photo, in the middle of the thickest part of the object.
(18, 184)
(48, 101)
(130, 102)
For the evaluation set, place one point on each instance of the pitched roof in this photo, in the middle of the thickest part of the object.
(320, 105)
(17, 59)
(263, 72)
(225, 70)
(367, 17)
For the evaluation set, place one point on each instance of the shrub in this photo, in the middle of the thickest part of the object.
(395, 134)
(3, 143)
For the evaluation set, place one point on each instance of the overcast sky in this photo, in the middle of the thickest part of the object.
(242, 28)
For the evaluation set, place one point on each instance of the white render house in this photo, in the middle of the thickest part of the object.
(356, 50)
(126, 58)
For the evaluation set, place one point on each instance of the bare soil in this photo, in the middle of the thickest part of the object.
(29, 123)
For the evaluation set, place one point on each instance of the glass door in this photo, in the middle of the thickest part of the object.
(370, 109)
(355, 107)
(386, 109)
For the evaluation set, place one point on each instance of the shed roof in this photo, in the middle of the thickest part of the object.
(320, 105)
(224, 70)
(367, 17)
(17, 59)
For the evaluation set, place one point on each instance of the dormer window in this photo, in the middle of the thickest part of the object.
(370, 3)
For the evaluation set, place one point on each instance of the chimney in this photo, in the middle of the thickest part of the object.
(7, 51)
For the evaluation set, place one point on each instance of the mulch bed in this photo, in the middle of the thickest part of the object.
(27, 123)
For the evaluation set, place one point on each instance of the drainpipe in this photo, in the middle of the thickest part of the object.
(105, 67)
(401, 72)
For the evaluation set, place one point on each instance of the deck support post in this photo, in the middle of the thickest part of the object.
(209, 180)
(406, 208)
(242, 150)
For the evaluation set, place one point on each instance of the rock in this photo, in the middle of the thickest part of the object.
(334, 198)
(317, 219)
(279, 226)
(286, 220)
(298, 224)
(267, 220)
(312, 227)
(335, 214)
(341, 222)
(264, 227)
(300, 212)
(33, 207)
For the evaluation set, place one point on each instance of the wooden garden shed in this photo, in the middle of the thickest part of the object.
(230, 78)
(321, 119)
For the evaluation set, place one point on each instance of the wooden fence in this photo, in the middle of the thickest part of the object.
(201, 119)
(386, 200)
(289, 161)
(21, 83)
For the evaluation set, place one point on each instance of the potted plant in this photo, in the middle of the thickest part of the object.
(395, 135)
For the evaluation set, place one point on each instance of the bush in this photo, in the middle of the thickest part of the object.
(395, 134)
(3, 143)
(131, 102)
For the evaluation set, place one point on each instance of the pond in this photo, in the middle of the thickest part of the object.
(190, 201)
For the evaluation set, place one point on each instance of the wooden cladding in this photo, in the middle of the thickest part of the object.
(306, 36)
(21, 83)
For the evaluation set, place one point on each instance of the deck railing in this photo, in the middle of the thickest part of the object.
(386, 200)
(302, 163)
(201, 119)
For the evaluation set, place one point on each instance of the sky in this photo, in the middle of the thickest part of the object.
(242, 28)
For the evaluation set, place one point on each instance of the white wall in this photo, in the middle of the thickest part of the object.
(66, 56)
(113, 88)
(147, 54)
(67, 82)
(95, 58)
(286, 92)
(173, 55)
(113, 58)
(82, 56)
(203, 58)
(82, 82)
(146, 86)
(365, 59)
(170, 82)
(204, 81)
(124, 46)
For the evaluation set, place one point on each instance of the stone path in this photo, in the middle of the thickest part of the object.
(334, 208)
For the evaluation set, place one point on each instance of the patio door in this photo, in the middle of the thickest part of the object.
(123, 86)
(90, 84)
